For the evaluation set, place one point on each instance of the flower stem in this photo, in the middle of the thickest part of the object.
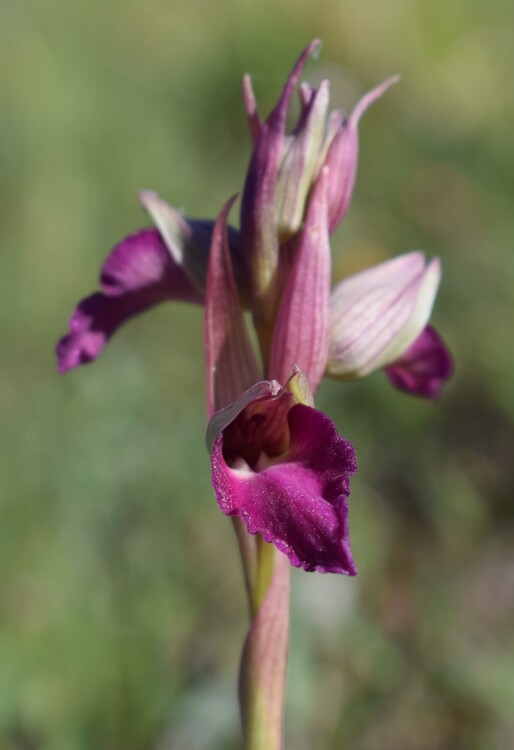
(264, 658)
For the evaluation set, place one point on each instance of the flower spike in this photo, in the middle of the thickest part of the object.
(258, 211)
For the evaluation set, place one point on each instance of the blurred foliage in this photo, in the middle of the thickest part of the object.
(121, 603)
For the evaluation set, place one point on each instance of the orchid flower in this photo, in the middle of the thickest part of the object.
(144, 269)
(277, 462)
(379, 320)
(279, 466)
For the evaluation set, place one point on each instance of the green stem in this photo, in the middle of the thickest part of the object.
(249, 556)
(265, 564)
(264, 658)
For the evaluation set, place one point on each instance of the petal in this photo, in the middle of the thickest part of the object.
(139, 273)
(379, 313)
(261, 391)
(252, 114)
(189, 240)
(424, 368)
(343, 154)
(301, 503)
(302, 329)
(231, 366)
(258, 225)
(300, 163)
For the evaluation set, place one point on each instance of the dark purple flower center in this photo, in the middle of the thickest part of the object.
(260, 433)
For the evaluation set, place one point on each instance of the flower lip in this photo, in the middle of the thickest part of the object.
(293, 493)
(424, 368)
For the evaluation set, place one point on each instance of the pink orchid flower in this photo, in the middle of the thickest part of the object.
(298, 188)
(380, 320)
(277, 462)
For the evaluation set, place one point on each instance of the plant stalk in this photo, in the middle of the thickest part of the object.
(264, 659)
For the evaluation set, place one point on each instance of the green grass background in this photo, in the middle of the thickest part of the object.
(121, 602)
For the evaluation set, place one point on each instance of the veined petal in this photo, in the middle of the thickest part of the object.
(189, 241)
(302, 329)
(424, 368)
(139, 273)
(342, 157)
(300, 163)
(231, 366)
(299, 503)
(258, 215)
(379, 313)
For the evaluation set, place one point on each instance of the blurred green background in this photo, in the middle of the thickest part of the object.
(121, 603)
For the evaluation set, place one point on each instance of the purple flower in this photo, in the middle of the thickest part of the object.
(144, 269)
(282, 467)
(379, 319)
(278, 463)
(424, 368)
(283, 170)
(139, 273)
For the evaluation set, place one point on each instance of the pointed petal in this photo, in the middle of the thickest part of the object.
(231, 366)
(370, 98)
(300, 163)
(258, 225)
(424, 368)
(254, 121)
(335, 122)
(138, 274)
(307, 93)
(378, 314)
(343, 155)
(189, 240)
(302, 329)
(300, 504)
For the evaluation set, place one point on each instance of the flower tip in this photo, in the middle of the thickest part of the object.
(314, 48)
(155, 206)
(432, 278)
(250, 105)
(425, 368)
(147, 196)
(69, 355)
(221, 224)
(368, 99)
(62, 365)
(392, 80)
